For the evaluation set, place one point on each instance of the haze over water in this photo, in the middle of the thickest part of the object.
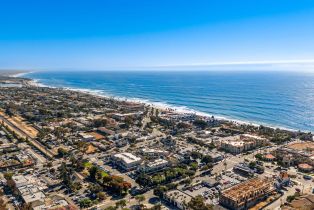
(282, 99)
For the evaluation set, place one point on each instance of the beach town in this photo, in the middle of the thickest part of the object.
(67, 149)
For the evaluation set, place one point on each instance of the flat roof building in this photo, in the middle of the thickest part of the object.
(29, 188)
(126, 161)
(31, 193)
(178, 198)
(153, 152)
(154, 166)
(241, 143)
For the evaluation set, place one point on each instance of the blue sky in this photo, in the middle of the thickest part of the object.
(119, 34)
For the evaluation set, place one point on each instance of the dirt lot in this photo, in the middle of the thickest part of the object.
(20, 123)
(302, 146)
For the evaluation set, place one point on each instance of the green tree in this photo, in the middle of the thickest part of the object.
(252, 165)
(101, 196)
(156, 207)
(194, 166)
(160, 190)
(62, 152)
(207, 159)
(290, 198)
(196, 155)
(8, 175)
(65, 175)
(140, 199)
(259, 156)
(198, 203)
(85, 203)
(100, 122)
(95, 188)
(92, 173)
(121, 203)
(200, 123)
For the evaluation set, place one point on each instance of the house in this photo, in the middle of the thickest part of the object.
(2, 133)
(283, 180)
(304, 167)
(118, 116)
(86, 137)
(216, 157)
(105, 131)
(269, 157)
(7, 148)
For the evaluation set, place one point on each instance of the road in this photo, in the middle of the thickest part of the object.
(131, 201)
(305, 186)
(24, 135)
(231, 161)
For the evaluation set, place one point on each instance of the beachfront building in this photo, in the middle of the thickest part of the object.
(122, 117)
(241, 143)
(175, 116)
(126, 161)
(132, 107)
(246, 194)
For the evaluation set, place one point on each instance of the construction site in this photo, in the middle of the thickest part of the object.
(246, 194)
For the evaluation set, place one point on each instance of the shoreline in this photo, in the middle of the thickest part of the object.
(158, 105)
(20, 75)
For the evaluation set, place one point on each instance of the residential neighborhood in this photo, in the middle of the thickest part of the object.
(65, 149)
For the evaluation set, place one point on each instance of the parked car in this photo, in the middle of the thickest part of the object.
(307, 177)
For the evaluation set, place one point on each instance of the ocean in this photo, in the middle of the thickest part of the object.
(278, 99)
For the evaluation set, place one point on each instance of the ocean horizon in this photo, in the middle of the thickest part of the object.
(277, 99)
